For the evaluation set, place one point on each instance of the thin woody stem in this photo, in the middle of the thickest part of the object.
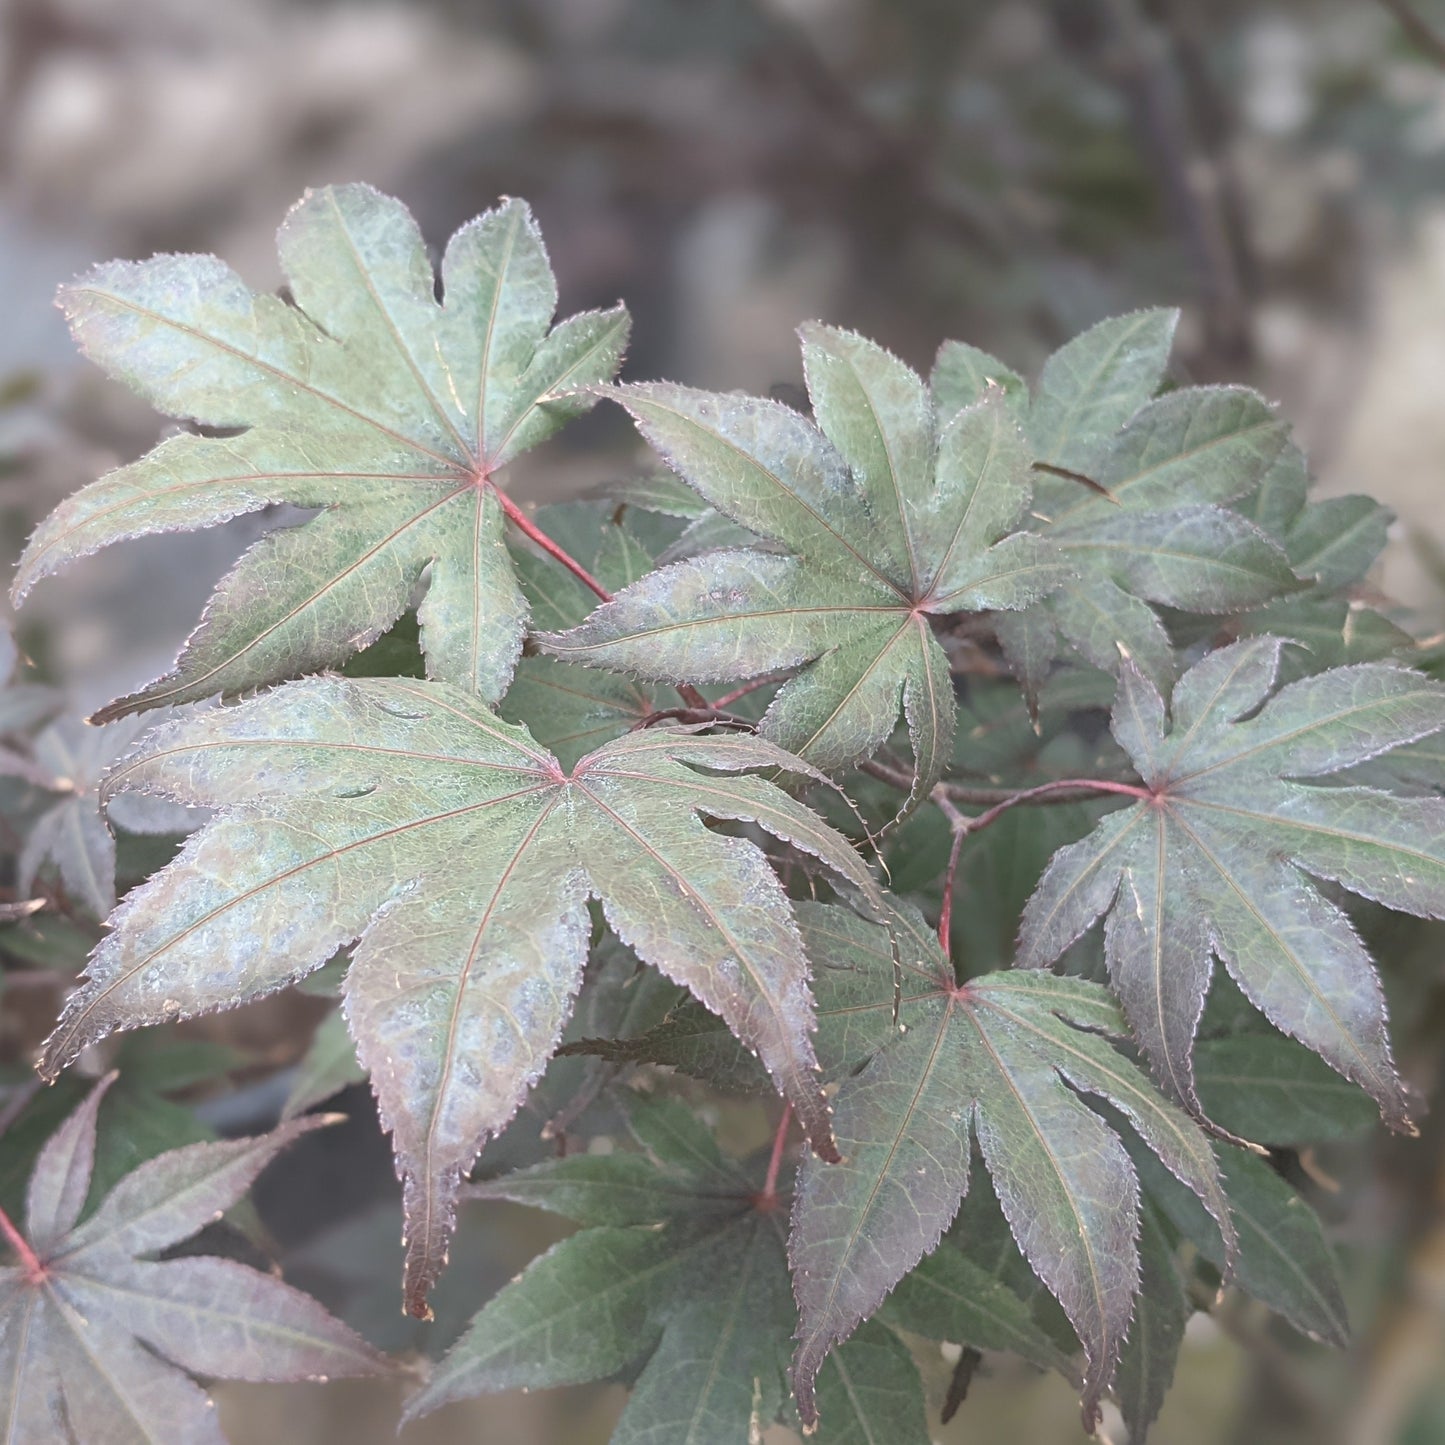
(964, 826)
(737, 692)
(1047, 792)
(769, 1197)
(525, 525)
(30, 1262)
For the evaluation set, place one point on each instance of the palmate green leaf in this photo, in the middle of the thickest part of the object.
(889, 520)
(1008, 1058)
(680, 1279)
(462, 855)
(1265, 1087)
(1283, 1258)
(1170, 466)
(1146, 1366)
(367, 399)
(97, 1340)
(1212, 862)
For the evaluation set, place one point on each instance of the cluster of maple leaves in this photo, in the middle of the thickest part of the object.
(501, 805)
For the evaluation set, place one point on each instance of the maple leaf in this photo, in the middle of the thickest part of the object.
(23, 707)
(71, 836)
(97, 1339)
(1008, 1058)
(1151, 525)
(406, 814)
(889, 521)
(1213, 860)
(680, 1279)
(368, 400)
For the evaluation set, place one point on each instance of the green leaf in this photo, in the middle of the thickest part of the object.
(1161, 537)
(1090, 387)
(461, 854)
(1282, 1260)
(951, 1296)
(328, 1066)
(887, 521)
(1266, 1087)
(693, 1297)
(1212, 860)
(368, 400)
(1005, 1057)
(869, 1391)
(1146, 1366)
(71, 837)
(570, 709)
(97, 1341)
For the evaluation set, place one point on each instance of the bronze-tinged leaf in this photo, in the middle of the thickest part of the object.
(1009, 1059)
(98, 1341)
(461, 854)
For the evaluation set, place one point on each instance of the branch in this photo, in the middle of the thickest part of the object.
(1418, 29)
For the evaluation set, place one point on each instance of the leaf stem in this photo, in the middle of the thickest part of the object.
(30, 1262)
(524, 524)
(747, 687)
(964, 826)
(1047, 792)
(768, 1199)
(528, 528)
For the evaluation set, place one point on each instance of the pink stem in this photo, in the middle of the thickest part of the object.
(1029, 795)
(746, 688)
(524, 524)
(29, 1261)
(945, 917)
(769, 1197)
(964, 826)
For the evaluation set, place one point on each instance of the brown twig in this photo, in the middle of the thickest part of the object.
(1418, 29)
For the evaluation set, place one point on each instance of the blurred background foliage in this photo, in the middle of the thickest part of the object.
(1004, 171)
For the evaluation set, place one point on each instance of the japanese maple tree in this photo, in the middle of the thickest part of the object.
(805, 769)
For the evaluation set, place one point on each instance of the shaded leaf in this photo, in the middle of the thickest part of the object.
(1006, 1058)
(1282, 1260)
(692, 1296)
(367, 400)
(1213, 860)
(348, 805)
(1146, 1365)
(96, 1341)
